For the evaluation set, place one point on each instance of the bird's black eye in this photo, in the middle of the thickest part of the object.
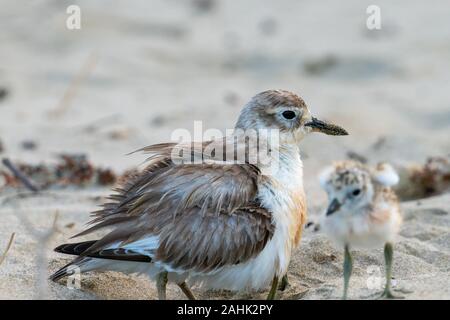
(356, 192)
(289, 114)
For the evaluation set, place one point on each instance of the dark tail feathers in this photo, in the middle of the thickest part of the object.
(75, 248)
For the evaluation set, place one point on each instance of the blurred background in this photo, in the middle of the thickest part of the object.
(137, 70)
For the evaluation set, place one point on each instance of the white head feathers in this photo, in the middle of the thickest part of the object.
(385, 174)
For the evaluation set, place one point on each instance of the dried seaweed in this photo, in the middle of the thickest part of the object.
(422, 181)
(69, 170)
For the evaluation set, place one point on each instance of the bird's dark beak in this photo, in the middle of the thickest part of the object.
(333, 207)
(327, 128)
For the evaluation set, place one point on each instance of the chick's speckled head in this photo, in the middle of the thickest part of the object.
(351, 185)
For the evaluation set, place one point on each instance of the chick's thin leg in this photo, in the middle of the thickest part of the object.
(348, 266)
(388, 258)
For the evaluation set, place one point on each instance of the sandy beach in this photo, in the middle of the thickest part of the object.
(134, 73)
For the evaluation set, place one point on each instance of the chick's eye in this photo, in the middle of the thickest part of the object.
(356, 192)
(288, 114)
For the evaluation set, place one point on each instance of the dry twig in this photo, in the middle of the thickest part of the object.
(19, 175)
(11, 239)
(42, 240)
(74, 85)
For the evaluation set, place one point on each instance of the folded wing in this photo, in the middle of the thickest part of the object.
(186, 217)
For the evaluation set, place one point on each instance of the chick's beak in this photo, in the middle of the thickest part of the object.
(327, 128)
(333, 207)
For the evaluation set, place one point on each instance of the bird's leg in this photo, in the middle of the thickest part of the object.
(284, 283)
(388, 258)
(186, 290)
(161, 282)
(348, 266)
(273, 288)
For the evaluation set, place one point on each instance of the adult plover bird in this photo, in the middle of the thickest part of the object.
(225, 224)
(363, 211)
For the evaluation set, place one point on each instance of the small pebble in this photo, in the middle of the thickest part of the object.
(356, 156)
(158, 121)
(70, 225)
(28, 145)
(268, 26)
(3, 93)
(204, 5)
(231, 98)
(120, 134)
